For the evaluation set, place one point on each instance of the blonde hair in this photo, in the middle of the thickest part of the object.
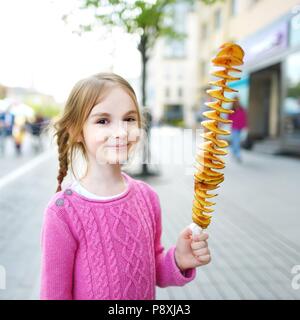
(84, 96)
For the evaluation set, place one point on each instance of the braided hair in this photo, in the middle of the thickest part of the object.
(63, 159)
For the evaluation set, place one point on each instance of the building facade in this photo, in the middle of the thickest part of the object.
(173, 73)
(269, 32)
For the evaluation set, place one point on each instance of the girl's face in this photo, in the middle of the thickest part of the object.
(111, 129)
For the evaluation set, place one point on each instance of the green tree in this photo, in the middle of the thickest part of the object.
(149, 20)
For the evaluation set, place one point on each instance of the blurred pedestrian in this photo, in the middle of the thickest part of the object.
(35, 128)
(239, 122)
(18, 133)
(9, 121)
(2, 133)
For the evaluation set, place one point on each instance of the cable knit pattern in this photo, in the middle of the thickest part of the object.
(82, 239)
(113, 271)
(106, 249)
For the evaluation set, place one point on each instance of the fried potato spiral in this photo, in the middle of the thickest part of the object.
(208, 160)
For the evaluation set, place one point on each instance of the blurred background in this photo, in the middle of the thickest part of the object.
(164, 49)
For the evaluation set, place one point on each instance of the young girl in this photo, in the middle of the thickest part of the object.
(101, 235)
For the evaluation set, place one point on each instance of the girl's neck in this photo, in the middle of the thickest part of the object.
(104, 180)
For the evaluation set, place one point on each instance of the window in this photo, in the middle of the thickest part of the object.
(292, 100)
(234, 7)
(253, 2)
(204, 31)
(174, 48)
(167, 73)
(173, 113)
(167, 92)
(180, 92)
(203, 67)
(218, 19)
(180, 75)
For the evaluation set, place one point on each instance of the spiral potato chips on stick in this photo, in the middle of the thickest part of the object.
(209, 161)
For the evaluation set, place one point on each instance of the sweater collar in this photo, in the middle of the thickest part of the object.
(129, 182)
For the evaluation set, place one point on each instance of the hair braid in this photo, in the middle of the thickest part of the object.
(63, 148)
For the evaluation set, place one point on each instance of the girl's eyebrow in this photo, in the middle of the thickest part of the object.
(108, 114)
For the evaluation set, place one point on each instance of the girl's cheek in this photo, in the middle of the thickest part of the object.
(101, 134)
(134, 134)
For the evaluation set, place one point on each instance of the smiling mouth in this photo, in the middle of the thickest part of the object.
(119, 146)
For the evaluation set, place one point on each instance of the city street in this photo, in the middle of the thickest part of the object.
(254, 234)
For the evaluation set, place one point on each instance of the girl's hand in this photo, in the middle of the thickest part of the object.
(191, 253)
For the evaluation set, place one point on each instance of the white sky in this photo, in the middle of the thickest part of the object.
(39, 50)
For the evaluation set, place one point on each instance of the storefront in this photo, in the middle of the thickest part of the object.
(271, 87)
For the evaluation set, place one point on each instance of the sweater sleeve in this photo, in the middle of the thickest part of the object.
(58, 252)
(167, 271)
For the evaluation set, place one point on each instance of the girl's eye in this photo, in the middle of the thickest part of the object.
(130, 119)
(102, 121)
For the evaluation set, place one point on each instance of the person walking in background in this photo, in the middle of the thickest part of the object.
(7, 120)
(18, 133)
(239, 122)
(2, 133)
(36, 128)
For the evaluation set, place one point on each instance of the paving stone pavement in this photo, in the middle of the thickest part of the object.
(254, 235)
(9, 160)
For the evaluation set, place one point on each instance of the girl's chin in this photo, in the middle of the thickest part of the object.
(114, 158)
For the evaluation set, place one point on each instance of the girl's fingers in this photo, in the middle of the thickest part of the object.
(200, 237)
(200, 248)
(201, 252)
(199, 245)
(204, 259)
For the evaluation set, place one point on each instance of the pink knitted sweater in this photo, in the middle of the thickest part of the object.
(106, 249)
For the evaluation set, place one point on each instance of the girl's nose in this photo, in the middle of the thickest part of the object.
(120, 130)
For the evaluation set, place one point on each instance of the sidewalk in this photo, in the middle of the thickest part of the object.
(254, 234)
(10, 161)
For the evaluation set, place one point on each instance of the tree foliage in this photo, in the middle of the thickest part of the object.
(149, 19)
